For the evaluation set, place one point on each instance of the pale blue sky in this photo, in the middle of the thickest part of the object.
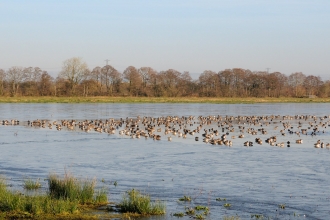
(186, 35)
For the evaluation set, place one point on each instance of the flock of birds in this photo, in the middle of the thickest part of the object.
(216, 130)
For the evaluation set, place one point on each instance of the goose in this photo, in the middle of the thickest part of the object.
(327, 145)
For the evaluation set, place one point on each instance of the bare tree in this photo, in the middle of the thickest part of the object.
(76, 79)
(36, 76)
(15, 76)
(147, 74)
(133, 77)
(96, 75)
(2, 79)
(274, 84)
(186, 84)
(110, 77)
(116, 80)
(74, 70)
(278, 84)
(226, 81)
(296, 81)
(311, 84)
(32, 77)
(45, 84)
(170, 82)
(156, 84)
(239, 77)
(324, 90)
(28, 71)
(208, 81)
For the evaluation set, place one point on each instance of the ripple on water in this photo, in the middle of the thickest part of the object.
(254, 180)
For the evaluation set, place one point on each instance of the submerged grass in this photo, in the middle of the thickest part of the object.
(231, 218)
(129, 99)
(135, 202)
(185, 199)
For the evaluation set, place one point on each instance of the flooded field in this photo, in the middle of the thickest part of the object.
(270, 180)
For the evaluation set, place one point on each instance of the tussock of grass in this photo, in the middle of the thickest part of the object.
(185, 199)
(190, 211)
(135, 202)
(64, 200)
(178, 214)
(72, 189)
(35, 205)
(231, 218)
(227, 205)
(31, 184)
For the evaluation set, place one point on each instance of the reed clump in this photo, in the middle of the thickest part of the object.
(65, 199)
(16, 202)
(73, 189)
(135, 202)
(30, 184)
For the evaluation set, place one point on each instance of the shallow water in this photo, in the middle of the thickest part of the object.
(253, 180)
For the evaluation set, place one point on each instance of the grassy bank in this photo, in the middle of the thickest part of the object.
(105, 99)
(66, 198)
(70, 198)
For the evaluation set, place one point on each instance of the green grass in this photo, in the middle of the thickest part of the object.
(227, 205)
(190, 211)
(72, 189)
(178, 214)
(31, 184)
(185, 199)
(33, 205)
(55, 204)
(231, 218)
(199, 216)
(281, 206)
(106, 99)
(257, 216)
(135, 202)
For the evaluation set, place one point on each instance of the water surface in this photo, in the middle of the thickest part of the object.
(253, 180)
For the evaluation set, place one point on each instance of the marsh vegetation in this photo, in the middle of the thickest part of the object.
(30, 184)
(73, 189)
(65, 196)
(136, 202)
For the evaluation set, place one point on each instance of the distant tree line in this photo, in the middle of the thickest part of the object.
(76, 79)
